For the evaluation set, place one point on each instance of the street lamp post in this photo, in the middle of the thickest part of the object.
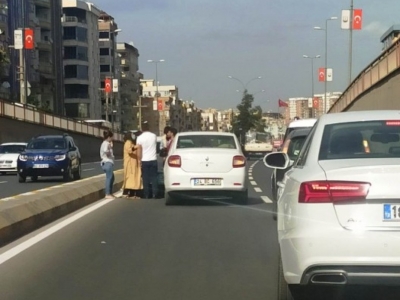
(326, 56)
(156, 62)
(241, 82)
(312, 73)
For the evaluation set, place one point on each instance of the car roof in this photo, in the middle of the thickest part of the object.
(354, 116)
(302, 123)
(50, 136)
(299, 132)
(13, 144)
(205, 133)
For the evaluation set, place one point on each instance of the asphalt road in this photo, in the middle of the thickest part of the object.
(9, 185)
(143, 249)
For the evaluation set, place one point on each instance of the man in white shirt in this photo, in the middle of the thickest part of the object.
(148, 141)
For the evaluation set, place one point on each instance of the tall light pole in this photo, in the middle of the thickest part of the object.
(326, 55)
(156, 62)
(241, 82)
(312, 73)
(351, 41)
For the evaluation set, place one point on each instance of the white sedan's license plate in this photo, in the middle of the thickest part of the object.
(391, 212)
(5, 166)
(207, 181)
(40, 166)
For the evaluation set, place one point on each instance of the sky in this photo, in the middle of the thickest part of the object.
(205, 41)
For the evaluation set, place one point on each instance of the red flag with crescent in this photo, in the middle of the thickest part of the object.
(107, 85)
(29, 42)
(357, 19)
(321, 74)
(315, 103)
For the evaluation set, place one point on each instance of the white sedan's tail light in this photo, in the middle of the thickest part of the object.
(174, 161)
(239, 161)
(333, 191)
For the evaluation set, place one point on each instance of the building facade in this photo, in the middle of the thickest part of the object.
(81, 60)
(130, 85)
(109, 68)
(209, 120)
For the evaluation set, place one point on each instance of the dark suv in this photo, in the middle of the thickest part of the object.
(50, 155)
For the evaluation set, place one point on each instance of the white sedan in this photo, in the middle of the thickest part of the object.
(9, 153)
(205, 165)
(339, 204)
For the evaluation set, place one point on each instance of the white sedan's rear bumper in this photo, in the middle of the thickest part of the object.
(176, 180)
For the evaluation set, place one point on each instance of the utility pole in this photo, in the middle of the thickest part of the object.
(140, 106)
(351, 40)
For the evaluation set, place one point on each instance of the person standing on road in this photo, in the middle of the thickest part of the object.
(107, 162)
(165, 137)
(132, 172)
(148, 141)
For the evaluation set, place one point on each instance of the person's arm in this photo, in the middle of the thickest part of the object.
(128, 147)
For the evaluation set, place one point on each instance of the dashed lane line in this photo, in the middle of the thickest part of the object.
(258, 190)
(251, 178)
(266, 199)
(3, 182)
(253, 183)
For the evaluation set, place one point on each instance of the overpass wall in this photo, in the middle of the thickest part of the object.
(13, 130)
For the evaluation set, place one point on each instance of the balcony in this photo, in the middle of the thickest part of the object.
(74, 21)
(45, 68)
(44, 45)
(44, 21)
(42, 3)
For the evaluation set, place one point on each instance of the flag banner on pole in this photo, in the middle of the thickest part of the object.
(315, 103)
(357, 19)
(321, 74)
(329, 74)
(345, 19)
(282, 103)
(107, 85)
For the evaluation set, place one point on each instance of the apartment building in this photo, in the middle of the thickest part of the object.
(192, 116)
(4, 50)
(209, 120)
(109, 67)
(81, 59)
(225, 118)
(130, 85)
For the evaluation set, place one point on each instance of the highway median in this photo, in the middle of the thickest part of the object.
(24, 213)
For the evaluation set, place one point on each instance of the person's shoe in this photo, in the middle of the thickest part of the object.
(109, 197)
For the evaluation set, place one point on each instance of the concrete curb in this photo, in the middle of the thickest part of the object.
(30, 211)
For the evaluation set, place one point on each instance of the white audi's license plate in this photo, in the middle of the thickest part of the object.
(391, 212)
(5, 166)
(40, 166)
(207, 181)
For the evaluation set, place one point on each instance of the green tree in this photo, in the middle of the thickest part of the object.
(33, 100)
(249, 117)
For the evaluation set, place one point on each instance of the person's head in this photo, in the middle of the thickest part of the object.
(128, 136)
(166, 129)
(108, 135)
(172, 132)
(145, 126)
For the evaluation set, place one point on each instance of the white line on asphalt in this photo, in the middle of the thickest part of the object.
(266, 199)
(84, 170)
(3, 181)
(44, 234)
(27, 194)
(251, 178)
(253, 183)
(258, 190)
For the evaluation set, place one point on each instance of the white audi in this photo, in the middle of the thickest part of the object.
(339, 204)
(9, 153)
(205, 165)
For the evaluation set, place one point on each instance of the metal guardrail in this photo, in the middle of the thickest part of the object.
(25, 113)
(384, 65)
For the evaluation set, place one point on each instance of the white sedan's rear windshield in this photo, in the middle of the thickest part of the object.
(206, 141)
(369, 139)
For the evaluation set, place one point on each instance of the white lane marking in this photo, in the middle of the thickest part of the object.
(84, 170)
(27, 194)
(3, 181)
(41, 236)
(251, 178)
(266, 199)
(258, 190)
(253, 183)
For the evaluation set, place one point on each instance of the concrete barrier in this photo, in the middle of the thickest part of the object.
(24, 213)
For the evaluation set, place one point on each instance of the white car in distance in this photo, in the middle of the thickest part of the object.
(205, 165)
(339, 204)
(9, 153)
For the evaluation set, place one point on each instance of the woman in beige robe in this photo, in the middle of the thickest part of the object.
(132, 170)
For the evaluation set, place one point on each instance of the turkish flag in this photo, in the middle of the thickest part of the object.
(357, 19)
(282, 103)
(29, 42)
(315, 102)
(321, 74)
(160, 105)
(107, 85)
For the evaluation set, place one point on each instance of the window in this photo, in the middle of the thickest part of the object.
(11, 149)
(302, 158)
(104, 35)
(104, 51)
(104, 68)
(360, 140)
(206, 141)
(47, 143)
(295, 147)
